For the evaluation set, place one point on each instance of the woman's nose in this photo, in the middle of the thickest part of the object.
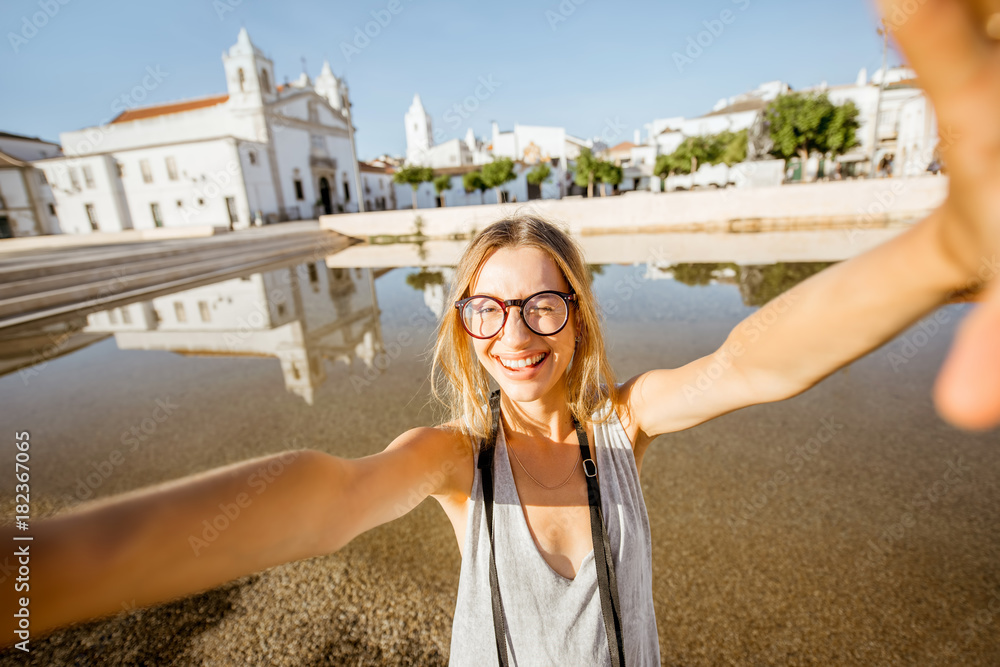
(514, 329)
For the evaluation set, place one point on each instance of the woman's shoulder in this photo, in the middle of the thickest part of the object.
(461, 448)
(448, 450)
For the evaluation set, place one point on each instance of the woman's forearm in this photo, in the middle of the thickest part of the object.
(178, 538)
(845, 311)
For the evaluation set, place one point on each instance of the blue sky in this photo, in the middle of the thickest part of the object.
(582, 64)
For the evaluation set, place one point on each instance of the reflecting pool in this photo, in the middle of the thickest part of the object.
(848, 525)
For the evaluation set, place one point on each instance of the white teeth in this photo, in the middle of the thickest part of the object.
(521, 363)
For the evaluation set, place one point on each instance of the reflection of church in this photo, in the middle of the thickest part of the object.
(304, 315)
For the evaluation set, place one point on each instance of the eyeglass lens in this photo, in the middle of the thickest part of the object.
(545, 314)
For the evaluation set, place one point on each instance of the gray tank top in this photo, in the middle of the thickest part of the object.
(552, 620)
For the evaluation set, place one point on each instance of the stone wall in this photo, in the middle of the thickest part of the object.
(856, 203)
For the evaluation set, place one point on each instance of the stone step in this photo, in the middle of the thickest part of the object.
(38, 265)
(106, 290)
(129, 266)
(46, 316)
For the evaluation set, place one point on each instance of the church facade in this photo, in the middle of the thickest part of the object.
(259, 153)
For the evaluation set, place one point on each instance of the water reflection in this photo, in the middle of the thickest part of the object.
(307, 314)
(303, 315)
(758, 284)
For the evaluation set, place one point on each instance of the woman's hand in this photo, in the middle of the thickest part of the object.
(957, 62)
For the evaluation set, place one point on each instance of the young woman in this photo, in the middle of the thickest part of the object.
(562, 572)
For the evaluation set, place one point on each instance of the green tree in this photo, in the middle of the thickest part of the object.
(688, 156)
(497, 173)
(538, 175)
(727, 147)
(608, 174)
(802, 124)
(413, 176)
(473, 180)
(421, 279)
(442, 183)
(585, 171)
(732, 147)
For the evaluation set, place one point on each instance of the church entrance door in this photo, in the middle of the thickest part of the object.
(324, 194)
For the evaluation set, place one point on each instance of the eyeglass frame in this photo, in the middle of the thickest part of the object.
(567, 297)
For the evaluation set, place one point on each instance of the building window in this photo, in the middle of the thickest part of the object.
(281, 310)
(157, 216)
(147, 173)
(121, 169)
(74, 178)
(112, 316)
(347, 192)
(242, 78)
(52, 209)
(179, 311)
(91, 216)
(313, 275)
(298, 190)
(171, 168)
(265, 81)
(206, 316)
(126, 316)
(252, 155)
(43, 177)
(231, 208)
(180, 203)
(88, 176)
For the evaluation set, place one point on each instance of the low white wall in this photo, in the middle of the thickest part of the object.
(861, 203)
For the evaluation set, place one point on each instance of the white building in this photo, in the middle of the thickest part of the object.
(900, 89)
(259, 153)
(917, 140)
(905, 126)
(377, 186)
(27, 206)
(309, 317)
(526, 145)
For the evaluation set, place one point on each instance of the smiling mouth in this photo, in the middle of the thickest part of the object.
(518, 364)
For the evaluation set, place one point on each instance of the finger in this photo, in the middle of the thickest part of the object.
(967, 391)
(944, 40)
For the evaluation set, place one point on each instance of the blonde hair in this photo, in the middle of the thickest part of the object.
(462, 384)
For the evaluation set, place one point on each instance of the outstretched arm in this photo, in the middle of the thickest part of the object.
(844, 312)
(807, 333)
(196, 533)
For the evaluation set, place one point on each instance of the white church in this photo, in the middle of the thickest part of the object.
(258, 153)
(526, 145)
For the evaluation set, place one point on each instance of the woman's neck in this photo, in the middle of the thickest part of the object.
(548, 418)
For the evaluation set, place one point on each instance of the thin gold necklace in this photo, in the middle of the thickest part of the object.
(550, 488)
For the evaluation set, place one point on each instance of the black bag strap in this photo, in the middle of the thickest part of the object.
(606, 582)
(486, 474)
